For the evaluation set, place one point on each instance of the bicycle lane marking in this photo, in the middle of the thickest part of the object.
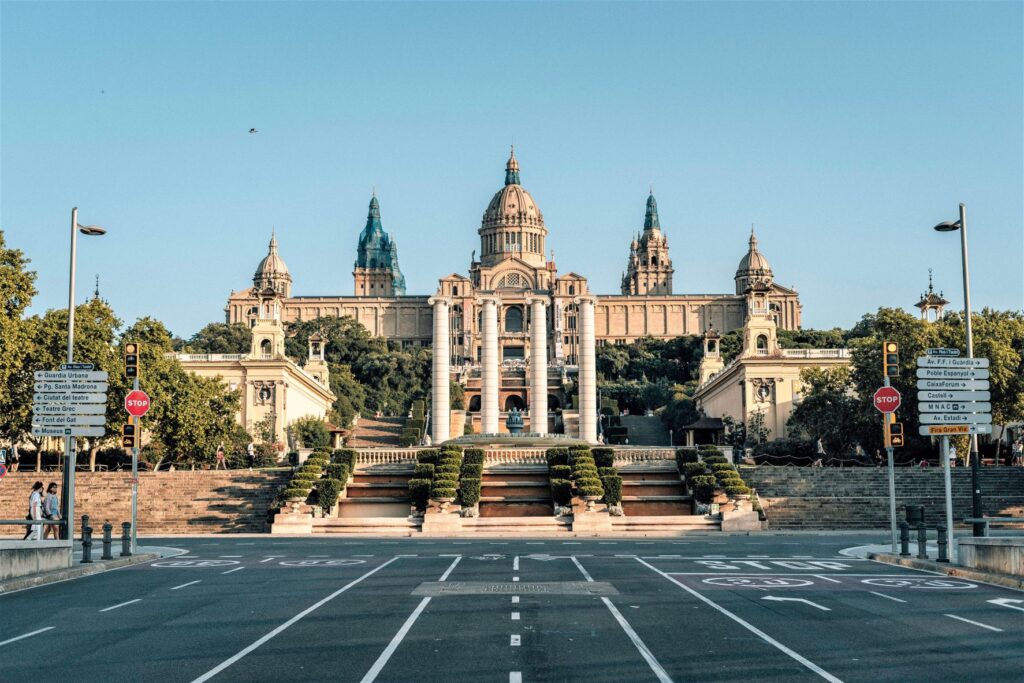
(750, 627)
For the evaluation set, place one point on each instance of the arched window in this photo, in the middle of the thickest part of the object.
(654, 261)
(266, 348)
(455, 290)
(762, 344)
(513, 319)
(572, 290)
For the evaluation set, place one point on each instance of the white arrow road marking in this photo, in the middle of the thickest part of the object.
(1005, 602)
(812, 604)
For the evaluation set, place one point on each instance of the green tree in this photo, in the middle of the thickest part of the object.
(221, 338)
(832, 412)
(17, 287)
(312, 432)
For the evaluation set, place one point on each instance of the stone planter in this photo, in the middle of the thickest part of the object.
(445, 502)
(590, 502)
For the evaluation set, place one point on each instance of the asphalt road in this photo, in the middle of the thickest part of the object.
(708, 608)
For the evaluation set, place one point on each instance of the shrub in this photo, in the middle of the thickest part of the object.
(612, 489)
(345, 456)
(474, 456)
(728, 475)
(327, 492)
(419, 492)
(589, 483)
(694, 469)
(438, 491)
(446, 469)
(712, 459)
(312, 432)
(304, 476)
(406, 441)
(579, 456)
(561, 491)
(606, 471)
(294, 492)
(592, 490)
(471, 470)
(685, 455)
(451, 448)
(604, 457)
(560, 472)
(739, 490)
(411, 433)
(423, 471)
(428, 455)
(708, 448)
(557, 456)
(339, 471)
(703, 488)
(469, 491)
(721, 466)
(415, 424)
(585, 473)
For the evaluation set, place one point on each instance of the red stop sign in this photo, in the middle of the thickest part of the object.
(887, 399)
(136, 403)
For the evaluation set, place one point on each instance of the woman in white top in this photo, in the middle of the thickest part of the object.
(35, 511)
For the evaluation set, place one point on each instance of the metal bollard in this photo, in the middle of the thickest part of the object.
(904, 539)
(86, 540)
(922, 541)
(107, 528)
(126, 539)
(943, 544)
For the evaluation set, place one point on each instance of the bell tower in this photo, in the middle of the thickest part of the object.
(268, 331)
(316, 364)
(649, 270)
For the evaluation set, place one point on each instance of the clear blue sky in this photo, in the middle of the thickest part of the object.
(843, 131)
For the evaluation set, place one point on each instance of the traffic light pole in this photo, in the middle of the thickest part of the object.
(949, 497)
(135, 475)
(892, 477)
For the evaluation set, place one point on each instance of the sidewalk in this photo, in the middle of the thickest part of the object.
(78, 570)
(883, 553)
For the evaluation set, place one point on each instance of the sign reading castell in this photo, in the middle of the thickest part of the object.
(71, 401)
(953, 394)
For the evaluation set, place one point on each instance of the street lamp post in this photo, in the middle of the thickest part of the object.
(68, 490)
(950, 226)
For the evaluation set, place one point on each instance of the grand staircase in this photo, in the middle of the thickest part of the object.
(376, 432)
(645, 430)
(375, 503)
(516, 499)
(656, 503)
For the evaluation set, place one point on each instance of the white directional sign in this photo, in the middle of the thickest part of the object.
(68, 420)
(954, 396)
(953, 384)
(952, 373)
(53, 387)
(953, 430)
(69, 409)
(70, 375)
(955, 407)
(68, 398)
(937, 362)
(942, 352)
(68, 431)
(955, 418)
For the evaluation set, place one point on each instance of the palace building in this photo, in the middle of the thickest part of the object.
(513, 330)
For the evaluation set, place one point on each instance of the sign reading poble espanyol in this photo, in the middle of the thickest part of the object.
(71, 401)
(953, 396)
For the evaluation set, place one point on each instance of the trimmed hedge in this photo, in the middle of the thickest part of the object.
(419, 491)
(423, 470)
(703, 488)
(327, 492)
(339, 471)
(406, 441)
(451, 448)
(446, 469)
(720, 466)
(685, 455)
(712, 459)
(694, 469)
(345, 456)
(292, 492)
(604, 457)
(740, 490)
(561, 491)
(560, 472)
(474, 456)
(470, 469)
(428, 455)
(469, 491)
(557, 456)
(612, 488)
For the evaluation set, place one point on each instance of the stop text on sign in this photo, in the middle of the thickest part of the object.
(887, 399)
(136, 403)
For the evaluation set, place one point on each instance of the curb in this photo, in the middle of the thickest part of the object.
(75, 572)
(1004, 580)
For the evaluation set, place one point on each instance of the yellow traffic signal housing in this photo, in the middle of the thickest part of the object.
(128, 436)
(131, 360)
(895, 434)
(890, 359)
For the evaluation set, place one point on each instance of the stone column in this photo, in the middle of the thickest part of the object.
(490, 371)
(588, 369)
(440, 412)
(538, 364)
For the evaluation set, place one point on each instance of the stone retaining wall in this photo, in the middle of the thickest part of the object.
(857, 497)
(169, 502)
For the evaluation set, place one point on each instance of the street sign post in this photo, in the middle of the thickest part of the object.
(74, 386)
(953, 430)
(943, 352)
(92, 432)
(944, 395)
(70, 375)
(955, 418)
(69, 408)
(954, 407)
(939, 362)
(952, 373)
(953, 384)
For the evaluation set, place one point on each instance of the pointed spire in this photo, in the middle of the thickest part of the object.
(931, 289)
(512, 168)
(273, 240)
(753, 239)
(651, 221)
(96, 292)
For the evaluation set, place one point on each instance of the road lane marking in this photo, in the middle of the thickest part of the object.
(230, 556)
(825, 578)
(515, 599)
(267, 560)
(515, 677)
(515, 640)
(242, 653)
(750, 627)
(773, 598)
(887, 597)
(515, 616)
(515, 564)
(190, 583)
(648, 656)
(1005, 602)
(382, 660)
(976, 623)
(236, 569)
(27, 635)
(107, 609)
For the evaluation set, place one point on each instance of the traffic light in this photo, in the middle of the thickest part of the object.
(896, 434)
(890, 359)
(131, 360)
(128, 436)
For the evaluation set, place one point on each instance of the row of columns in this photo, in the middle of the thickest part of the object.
(491, 367)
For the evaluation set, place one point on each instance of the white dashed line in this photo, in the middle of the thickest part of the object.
(267, 560)
(976, 623)
(515, 578)
(515, 599)
(825, 578)
(535, 543)
(515, 564)
(231, 556)
(515, 677)
(27, 635)
(107, 609)
(362, 556)
(190, 583)
(514, 640)
(233, 570)
(515, 616)
(887, 597)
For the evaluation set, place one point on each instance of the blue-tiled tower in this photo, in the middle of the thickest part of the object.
(376, 269)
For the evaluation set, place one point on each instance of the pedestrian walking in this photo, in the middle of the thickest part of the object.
(952, 455)
(878, 458)
(220, 458)
(1018, 453)
(51, 510)
(35, 512)
(251, 450)
(15, 458)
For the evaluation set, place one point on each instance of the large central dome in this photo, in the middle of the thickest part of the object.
(512, 225)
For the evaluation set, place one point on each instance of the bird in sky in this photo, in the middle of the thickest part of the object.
(253, 130)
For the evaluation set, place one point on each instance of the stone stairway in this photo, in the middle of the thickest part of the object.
(645, 430)
(515, 491)
(375, 503)
(654, 490)
(857, 498)
(376, 432)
